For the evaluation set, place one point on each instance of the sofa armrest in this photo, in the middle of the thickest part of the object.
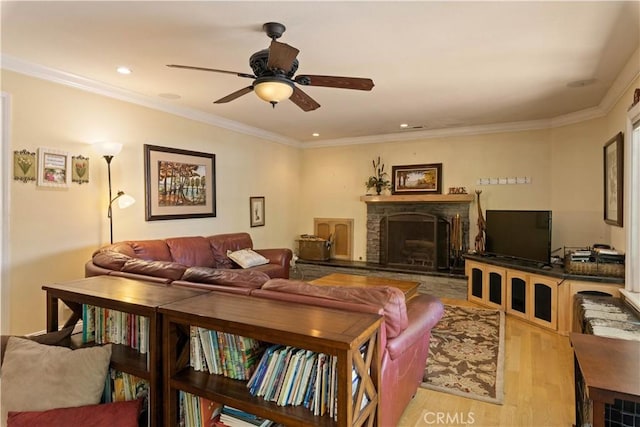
(277, 256)
(423, 312)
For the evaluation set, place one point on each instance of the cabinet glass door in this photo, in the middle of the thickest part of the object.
(542, 296)
(518, 301)
(476, 282)
(495, 288)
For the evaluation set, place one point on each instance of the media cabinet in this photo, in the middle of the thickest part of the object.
(542, 296)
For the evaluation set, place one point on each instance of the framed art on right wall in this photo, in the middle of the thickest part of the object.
(613, 180)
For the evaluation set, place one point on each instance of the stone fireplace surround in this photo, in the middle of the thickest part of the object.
(442, 206)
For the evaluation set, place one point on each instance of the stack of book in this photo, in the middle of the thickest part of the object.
(610, 256)
(292, 376)
(581, 255)
(103, 326)
(225, 354)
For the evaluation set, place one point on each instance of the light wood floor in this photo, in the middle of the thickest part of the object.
(538, 386)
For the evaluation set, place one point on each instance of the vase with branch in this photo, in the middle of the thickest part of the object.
(379, 180)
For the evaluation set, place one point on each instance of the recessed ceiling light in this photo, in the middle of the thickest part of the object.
(315, 134)
(404, 125)
(581, 83)
(169, 95)
(124, 70)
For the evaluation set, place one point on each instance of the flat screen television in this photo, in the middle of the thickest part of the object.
(519, 234)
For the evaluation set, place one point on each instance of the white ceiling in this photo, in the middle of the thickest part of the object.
(435, 64)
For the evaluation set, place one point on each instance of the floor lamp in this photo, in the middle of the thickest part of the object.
(108, 150)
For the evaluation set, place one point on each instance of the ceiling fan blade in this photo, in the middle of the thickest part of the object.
(338, 82)
(281, 56)
(189, 67)
(234, 95)
(303, 100)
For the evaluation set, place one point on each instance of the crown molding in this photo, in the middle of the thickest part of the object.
(78, 82)
(627, 76)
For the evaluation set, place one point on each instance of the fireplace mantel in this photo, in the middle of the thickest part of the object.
(419, 198)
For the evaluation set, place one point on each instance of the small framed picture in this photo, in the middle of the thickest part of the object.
(256, 205)
(79, 169)
(54, 167)
(24, 166)
(417, 179)
(613, 180)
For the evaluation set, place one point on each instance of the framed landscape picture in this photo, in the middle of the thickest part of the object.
(256, 211)
(417, 179)
(179, 183)
(613, 180)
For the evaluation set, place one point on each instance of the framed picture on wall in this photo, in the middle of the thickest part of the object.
(179, 183)
(417, 179)
(54, 167)
(24, 166)
(256, 211)
(80, 169)
(613, 180)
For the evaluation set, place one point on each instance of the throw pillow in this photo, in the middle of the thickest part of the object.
(38, 377)
(60, 338)
(246, 258)
(121, 414)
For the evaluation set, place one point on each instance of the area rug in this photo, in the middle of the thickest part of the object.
(466, 354)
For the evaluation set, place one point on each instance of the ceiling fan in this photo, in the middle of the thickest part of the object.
(273, 74)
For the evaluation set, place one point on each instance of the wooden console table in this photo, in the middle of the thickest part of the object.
(128, 296)
(319, 329)
(606, 369)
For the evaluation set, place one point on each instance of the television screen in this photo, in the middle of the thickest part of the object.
(519, 234)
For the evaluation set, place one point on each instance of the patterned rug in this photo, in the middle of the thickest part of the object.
(466, 354)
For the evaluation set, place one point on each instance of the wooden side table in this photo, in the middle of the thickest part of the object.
(607, 369)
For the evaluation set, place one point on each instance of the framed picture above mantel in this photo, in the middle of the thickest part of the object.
(417, 179)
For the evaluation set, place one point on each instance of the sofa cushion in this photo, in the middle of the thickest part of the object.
(218, 276)
(247, 258)
(390, 299)
(110, 259)
(193, 251)
(221, 243)
(166, 269)
(151, 250)
(121, 414)
(64, 377)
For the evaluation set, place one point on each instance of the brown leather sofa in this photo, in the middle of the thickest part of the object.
(193, 259)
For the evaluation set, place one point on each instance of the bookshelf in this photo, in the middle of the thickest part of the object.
(334, 332)
(128, 296)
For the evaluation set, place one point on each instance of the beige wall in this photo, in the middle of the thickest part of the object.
(54, 231)
(564, 163)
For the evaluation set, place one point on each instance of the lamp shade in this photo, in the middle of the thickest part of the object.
(105, 148)
(273, 90)
(125, 201)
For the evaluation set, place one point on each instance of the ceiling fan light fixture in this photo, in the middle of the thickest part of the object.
(273, 90)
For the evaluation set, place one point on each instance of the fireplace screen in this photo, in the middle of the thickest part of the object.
(416, 240)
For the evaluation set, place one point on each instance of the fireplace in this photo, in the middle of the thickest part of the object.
(416, 240)
(423, 226)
